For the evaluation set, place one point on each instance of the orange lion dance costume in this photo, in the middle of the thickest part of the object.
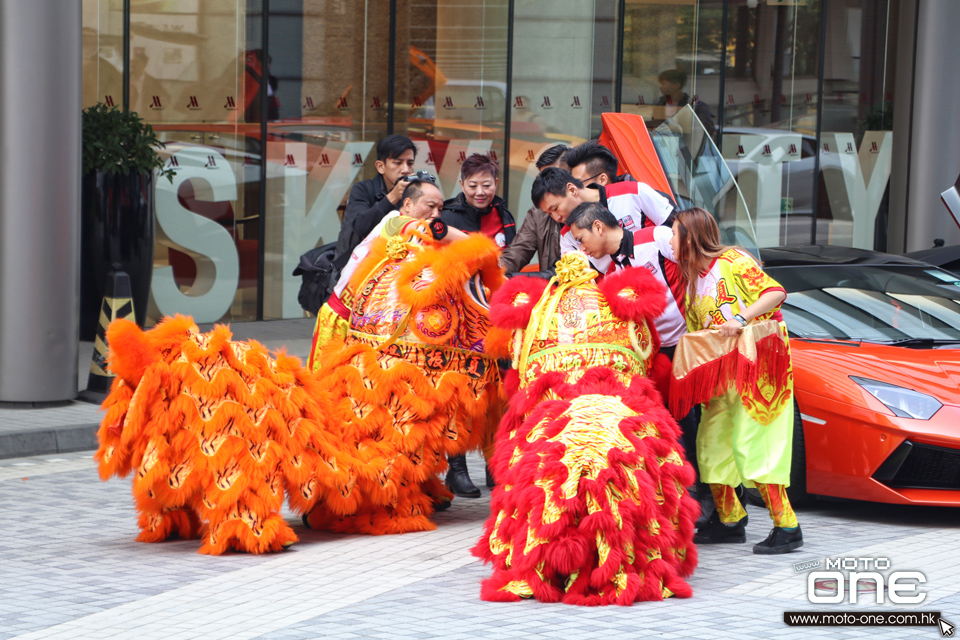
(590, 506)
(411, 382)
(217, 432)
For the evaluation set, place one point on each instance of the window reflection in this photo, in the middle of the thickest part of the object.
(197, 71)
(327, 93)
(874, 304)
(700, 178)
(557, 103)
(451, 87)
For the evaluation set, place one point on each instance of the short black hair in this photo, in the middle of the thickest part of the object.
(414, 190)
(479, 163)
(551, 155)
(552, 180)
(586, 212)
(394, 146)
(596, 157)
(673, 76)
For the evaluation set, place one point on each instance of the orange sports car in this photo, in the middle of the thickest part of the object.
(875, 337)
(875, 340)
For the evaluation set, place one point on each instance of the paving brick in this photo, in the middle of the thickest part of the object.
(70, 568)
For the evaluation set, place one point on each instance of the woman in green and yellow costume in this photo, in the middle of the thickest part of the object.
(745, 433)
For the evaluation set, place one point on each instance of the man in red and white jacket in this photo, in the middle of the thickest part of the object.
(634, 205)
(599, 235)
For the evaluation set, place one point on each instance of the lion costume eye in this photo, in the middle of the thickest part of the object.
(436, 323)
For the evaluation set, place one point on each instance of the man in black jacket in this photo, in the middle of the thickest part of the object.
(370, 200)
(539, 234)
(477, 208)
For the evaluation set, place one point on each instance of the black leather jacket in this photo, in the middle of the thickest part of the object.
(366, 207)
(460, 215)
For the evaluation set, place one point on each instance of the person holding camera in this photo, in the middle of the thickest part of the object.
(371, 200)
(421, 199)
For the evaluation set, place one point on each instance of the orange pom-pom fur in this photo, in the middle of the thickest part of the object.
(217, 432)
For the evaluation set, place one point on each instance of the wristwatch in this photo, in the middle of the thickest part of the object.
(438, 228)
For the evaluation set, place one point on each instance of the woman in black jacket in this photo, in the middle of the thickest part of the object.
(477, 208)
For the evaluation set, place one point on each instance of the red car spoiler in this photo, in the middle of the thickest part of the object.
(625, 134)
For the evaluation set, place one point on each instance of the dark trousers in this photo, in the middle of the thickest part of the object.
(689, 424)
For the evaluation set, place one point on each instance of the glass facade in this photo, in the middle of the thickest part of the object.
(271, 110)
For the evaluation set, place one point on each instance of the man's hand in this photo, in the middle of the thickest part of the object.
(396, 193)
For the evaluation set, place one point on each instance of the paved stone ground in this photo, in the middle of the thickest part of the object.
(70, 568)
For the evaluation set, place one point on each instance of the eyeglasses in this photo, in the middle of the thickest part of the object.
(586, 180)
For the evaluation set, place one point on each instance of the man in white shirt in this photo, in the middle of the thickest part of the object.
(600, 236)
(635, 205)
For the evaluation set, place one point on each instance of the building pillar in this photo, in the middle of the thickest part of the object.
(40, 129)
(926, 129)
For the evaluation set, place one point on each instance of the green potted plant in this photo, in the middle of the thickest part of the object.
(120, 164)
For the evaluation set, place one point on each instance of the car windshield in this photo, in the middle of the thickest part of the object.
(885, 303)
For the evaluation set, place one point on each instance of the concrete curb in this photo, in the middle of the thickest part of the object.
(67, 439)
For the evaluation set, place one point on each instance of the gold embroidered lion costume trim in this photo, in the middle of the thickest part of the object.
(218, 432)
(590, 506)
(411, 380)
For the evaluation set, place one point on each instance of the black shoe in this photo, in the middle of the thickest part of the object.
(491, 483)
(306, 520)
(715, 532)
(442, 505)
(780, 541)
(458, 480)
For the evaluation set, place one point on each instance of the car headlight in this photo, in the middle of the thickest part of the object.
(905, 403)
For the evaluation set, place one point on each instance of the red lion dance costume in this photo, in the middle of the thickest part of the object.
(590, 506)
(217, 433)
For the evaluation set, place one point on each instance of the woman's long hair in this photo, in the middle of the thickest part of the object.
(699, 238)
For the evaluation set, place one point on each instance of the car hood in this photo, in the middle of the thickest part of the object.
(824, 365)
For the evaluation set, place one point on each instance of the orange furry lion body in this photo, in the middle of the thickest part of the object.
(217, 433)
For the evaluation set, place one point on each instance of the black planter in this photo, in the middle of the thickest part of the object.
(117, 227)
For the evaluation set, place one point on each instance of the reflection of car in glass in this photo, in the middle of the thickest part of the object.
(699, 176)
(748, 149)
(776, 169)
(876, 357)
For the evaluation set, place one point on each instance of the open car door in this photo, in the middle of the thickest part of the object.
(625, 134)
(680, 158)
